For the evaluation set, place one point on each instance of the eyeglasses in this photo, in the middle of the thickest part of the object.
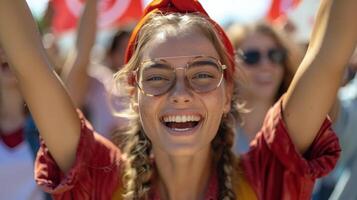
(156, 77)
(254, 56)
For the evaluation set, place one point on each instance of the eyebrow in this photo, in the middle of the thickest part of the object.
(157, 65)
(203, 62)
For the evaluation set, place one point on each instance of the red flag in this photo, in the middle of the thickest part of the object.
(112, 13)
(279, 8)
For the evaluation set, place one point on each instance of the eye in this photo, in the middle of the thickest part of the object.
(156, 78)
(202, 75)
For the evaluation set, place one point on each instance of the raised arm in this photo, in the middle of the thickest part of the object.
(314, 87)
(75, 73)
(44, 94)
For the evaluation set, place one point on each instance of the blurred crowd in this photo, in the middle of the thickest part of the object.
(267, 55)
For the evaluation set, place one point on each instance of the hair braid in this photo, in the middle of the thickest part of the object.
(222, 144)
(224, 158)
(138, 166)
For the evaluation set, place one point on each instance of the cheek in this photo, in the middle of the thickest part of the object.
(220, 101)
(279, 72)
(215, 105)
(248, 73)
(148, 109)
(248, 78)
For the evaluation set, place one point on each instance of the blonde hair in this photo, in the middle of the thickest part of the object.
(139, 170)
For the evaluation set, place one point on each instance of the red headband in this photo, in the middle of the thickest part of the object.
(179, 6)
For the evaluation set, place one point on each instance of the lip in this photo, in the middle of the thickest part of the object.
(183, 133)
(174, 132)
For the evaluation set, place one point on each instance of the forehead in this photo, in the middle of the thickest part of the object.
(258, 40)
(179, 43)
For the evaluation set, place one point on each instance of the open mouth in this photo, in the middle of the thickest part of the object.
(182, 123)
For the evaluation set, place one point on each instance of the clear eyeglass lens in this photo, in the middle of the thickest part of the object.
(156, 77)
(204, 74)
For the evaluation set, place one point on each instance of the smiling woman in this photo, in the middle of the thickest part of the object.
(188, 84)
(179, 139)
(180, 100)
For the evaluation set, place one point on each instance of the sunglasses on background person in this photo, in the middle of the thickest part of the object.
(156, 77)
(255, 56)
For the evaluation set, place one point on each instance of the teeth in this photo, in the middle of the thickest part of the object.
(179, 119)
(182, 118)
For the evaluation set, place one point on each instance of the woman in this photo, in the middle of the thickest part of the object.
(268, 62)
(180, 71)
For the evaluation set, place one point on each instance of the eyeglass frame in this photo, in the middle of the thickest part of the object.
(221, 66)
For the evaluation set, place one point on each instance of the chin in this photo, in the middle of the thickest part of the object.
(181, 149)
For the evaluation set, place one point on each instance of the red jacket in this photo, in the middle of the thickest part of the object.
(273, 168)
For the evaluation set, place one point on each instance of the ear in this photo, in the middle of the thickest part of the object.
(228, 97)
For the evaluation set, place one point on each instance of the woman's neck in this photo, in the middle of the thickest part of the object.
(253, 120)
(183, 177)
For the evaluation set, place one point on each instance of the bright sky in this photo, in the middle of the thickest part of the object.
(226, 11)
(222, 11)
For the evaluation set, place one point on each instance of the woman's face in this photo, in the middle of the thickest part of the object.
(264, 76)
(182, 122)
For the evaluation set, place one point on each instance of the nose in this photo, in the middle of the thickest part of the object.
(180, 93)
(266, 63)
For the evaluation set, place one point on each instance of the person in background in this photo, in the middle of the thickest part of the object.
(268, 61)
(114, 57)
(90, 82)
